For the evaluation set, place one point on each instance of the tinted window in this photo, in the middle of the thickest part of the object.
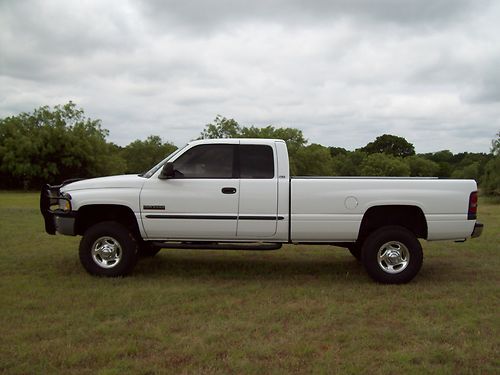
(206, 161)
(256, 161)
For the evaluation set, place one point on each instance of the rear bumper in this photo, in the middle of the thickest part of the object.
(478, 229)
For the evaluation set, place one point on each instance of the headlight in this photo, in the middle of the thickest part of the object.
(65, 203)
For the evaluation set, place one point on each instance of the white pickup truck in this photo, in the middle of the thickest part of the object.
(238, 194)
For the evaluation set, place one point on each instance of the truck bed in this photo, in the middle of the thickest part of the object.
(331, 208)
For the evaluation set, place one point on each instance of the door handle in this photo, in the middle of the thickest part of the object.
(228, 190)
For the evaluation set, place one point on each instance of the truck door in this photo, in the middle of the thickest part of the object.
(200, 202)
(258, 209)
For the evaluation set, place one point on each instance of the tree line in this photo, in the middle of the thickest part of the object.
(54, 144)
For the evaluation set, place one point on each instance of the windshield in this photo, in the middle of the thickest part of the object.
(153, 170)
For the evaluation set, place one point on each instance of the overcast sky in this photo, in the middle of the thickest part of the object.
(342, 71)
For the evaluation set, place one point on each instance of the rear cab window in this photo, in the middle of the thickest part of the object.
(256, 161)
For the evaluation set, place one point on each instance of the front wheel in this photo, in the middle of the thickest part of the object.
(108, 249)
(392, 255)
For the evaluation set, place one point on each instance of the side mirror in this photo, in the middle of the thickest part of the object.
(167, 171)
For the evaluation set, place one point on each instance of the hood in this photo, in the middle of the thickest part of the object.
(124, 181)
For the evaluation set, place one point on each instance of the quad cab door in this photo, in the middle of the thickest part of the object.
(258, 208)
(200, 201)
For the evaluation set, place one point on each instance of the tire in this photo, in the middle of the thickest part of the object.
(146, 250)
(355, 251)
(108, 249)
(392, 255)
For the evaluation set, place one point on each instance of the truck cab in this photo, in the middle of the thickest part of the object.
(231, 190)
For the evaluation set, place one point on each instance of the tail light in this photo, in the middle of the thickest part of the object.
(472, 214)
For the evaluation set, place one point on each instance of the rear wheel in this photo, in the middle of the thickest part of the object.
(392, 255)
(108, 249)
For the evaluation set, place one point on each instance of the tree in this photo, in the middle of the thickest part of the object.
(336, 151)
(348, 164)
(471, 171)
(422, 167)
(142, 155)
(444, 160)
(491, 177)
(221, 128)
(440, 156)
(384, 165)
(314, 160)
(391, 145)
(293, 137)
(495, 145)
(471, 165)
(50, 145)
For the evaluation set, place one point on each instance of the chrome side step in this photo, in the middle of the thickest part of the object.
(262, 246)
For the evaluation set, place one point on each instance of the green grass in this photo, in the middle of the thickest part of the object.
(302, 309)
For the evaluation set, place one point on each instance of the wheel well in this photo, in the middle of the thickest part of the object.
(93, 214)
(410, 217)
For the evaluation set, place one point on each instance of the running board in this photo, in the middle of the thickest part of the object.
(218, 246)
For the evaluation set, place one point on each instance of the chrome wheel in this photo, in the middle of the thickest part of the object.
(106, 252)
(393, 257)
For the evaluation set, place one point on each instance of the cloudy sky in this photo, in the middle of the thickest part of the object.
(343, 71)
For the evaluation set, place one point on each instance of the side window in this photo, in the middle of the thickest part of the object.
(256, 161)
(206, 161)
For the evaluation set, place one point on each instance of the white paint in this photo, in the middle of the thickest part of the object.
(322, 209)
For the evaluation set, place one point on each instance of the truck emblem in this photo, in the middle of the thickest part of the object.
(153, 207)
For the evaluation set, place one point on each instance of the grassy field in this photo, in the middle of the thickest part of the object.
(301, 309)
